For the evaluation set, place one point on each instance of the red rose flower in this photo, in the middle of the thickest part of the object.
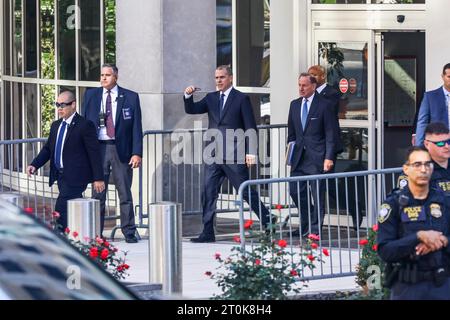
(257, 262)
(294, 273)
(106, 244)
(325, 252)
(28, 210)
(375, 247)
(363, 242)
(120, 268)
(56, 215)
(282, 243)
(278, 207)
(248, 224)
(93, 253)
(217, 255)
(67, 230)
(313, 237)
(208, 273)
(237, 239)
(375, 228)
(75, 234)
(125, 266)
(311, 257)
(314, 245)
(104, 254)
(99, 240)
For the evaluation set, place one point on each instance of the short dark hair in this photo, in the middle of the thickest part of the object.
(227, 68)
(446, 67)
(307, 75)
(112, 66)
(436, 128)
(413, 149)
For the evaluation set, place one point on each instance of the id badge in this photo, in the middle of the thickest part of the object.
(127, 114)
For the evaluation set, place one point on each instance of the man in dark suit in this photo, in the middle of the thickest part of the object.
(312, 127)
(116, 112)
(332, 95)
(435, 107)
(73, 150)
(228, 110)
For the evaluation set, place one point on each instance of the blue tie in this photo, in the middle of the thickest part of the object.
(59, 143)
(304, 113)
(221, 101)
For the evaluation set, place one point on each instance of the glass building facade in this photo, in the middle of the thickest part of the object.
(50, 46)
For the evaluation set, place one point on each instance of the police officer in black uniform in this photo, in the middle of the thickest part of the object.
(437, 139)
(413, 234)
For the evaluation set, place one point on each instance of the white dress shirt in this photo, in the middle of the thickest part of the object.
(68, 121)
(102, 135)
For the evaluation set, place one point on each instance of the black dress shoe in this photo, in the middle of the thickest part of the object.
(296, 233)
(131, 239)
(203, 239)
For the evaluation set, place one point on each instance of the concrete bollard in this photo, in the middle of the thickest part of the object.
(13, 197)
(165, 247)
(83, 216)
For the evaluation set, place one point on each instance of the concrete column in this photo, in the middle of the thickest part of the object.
(437, 41)
(162, 47)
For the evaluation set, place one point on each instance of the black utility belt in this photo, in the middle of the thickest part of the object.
(107, 141)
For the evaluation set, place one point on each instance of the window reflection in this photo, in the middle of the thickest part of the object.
(30, 39)
(66, 38)
(31, 117)
(346, 65)
(17, 41)
(355, 154)
(47, 39)
(224, 32)
(90, 40)
(253, 43)
(6, 38)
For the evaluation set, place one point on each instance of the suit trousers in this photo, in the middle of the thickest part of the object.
(214, 177)
(309, 197)
(66, 192)
(122, 175)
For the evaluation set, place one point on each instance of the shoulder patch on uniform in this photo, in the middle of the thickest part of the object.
(402, 181)
(384, 212)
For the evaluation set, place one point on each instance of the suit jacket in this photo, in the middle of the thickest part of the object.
(128, 122)
(334, 97)
(237, 114)
(80, 154)
(432, 109)
(317, 142)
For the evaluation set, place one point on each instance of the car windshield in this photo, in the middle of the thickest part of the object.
(36, 264)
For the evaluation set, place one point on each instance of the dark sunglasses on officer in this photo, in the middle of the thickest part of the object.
(63, 104)
(440, 144)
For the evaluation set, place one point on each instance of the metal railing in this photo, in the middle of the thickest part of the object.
(182, 183)
(15, 155)
(349, 202)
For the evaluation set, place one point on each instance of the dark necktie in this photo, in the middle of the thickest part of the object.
(221, 101)
(110, 131)
(304, 113)
(59, 143)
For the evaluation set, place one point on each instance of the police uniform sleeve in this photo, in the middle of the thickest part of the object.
(392, 247)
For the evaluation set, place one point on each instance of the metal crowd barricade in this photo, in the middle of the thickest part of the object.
(15, 155)
(350, 201)
(162, 179)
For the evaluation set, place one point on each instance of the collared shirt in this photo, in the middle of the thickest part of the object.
(102, 135)
(226, 93)
(68, 121)
(310, 100)
(320, 89)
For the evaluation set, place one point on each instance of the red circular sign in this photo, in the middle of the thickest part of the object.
(353, 85)
(343, 85)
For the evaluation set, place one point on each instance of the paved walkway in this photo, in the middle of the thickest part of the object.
(199, 258)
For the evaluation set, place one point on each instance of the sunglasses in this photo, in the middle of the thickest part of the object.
(63, 104)
(440, 143)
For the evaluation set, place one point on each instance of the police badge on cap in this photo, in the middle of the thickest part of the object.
(435, 210)
(385, 211)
